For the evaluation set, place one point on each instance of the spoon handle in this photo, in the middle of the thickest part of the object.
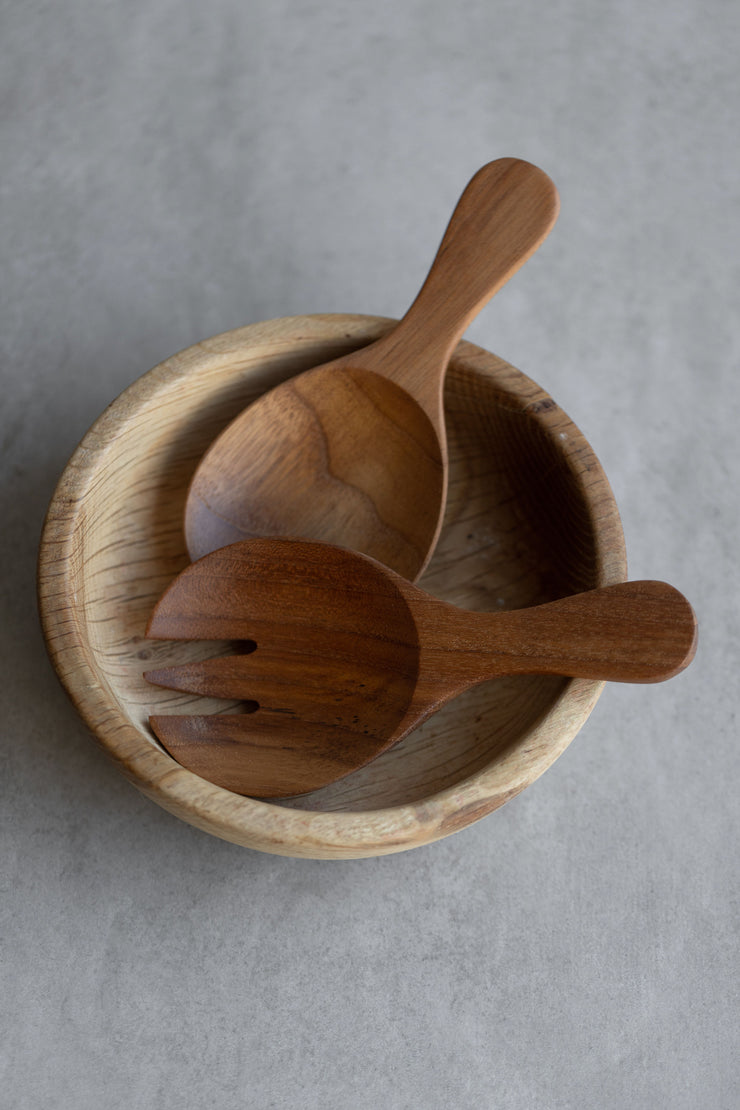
(502, 217)
(629, 632)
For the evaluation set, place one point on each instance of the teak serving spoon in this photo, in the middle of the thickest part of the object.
(354, 452)
(350, 657)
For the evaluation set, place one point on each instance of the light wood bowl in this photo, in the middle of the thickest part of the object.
(530, 517)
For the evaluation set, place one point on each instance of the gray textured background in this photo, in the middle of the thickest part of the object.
(170, 170)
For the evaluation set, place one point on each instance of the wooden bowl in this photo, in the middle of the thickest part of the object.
(530, 517)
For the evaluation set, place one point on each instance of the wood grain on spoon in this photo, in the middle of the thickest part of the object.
(350, 657)
(354, 452)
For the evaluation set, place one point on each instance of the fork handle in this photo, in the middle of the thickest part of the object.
(630, 632)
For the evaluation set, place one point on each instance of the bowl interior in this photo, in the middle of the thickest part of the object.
(530, 517)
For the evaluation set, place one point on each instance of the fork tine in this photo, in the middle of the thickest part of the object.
(262, 755)
(223, 677)
(319, 694)
(262, 675)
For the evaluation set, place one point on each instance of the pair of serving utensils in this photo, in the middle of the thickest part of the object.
(342, 655)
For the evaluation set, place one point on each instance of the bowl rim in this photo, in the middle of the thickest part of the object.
(267, 827)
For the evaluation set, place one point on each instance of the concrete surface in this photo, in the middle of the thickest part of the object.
(171, 170)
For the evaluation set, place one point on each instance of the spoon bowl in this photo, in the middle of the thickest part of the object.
(355, 452)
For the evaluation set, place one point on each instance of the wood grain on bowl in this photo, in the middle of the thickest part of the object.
(530, 517)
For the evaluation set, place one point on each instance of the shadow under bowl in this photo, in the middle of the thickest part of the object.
(530, 517)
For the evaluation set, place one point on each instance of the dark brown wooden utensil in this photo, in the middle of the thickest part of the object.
(350, 657)
(354, 451)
